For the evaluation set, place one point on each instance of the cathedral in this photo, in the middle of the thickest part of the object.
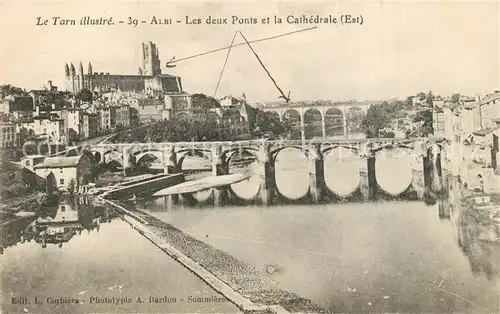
(149, 79)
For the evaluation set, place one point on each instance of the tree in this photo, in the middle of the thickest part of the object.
(71, 186)
(455, 98)
(84, 95)
(73, 137)
(409, 101)
(421, 96)
(355, 117)
(388, 134)
(429, 99)
(24, 135)
(203, 102)
(266, 124)
(11, 90)
(376, 118)
(66, 71)
(427, 126)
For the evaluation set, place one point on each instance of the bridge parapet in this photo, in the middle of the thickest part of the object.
(265, 152)
(220, 152)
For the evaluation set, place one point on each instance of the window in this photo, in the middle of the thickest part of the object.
(27, 163)
(61, 181)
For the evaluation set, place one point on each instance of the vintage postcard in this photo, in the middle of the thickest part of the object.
(250, 157)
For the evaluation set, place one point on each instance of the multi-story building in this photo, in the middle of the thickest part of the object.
(8, 134)
(49, 126)
(90, 125)
(489, 110)
(66, 170)
(104, 113)
(122, 117)
(446, 120)
(50, 96)
(470, 117)
(150, 108)
(72, 118)
(177, 104)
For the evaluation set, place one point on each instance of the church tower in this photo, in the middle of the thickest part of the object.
(150, 59)
(72, 73)
(67, 85)
(81, 84)
(89, 77)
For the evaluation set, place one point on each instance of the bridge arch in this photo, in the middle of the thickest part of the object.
(156, 156)
(274, 152)
(113, 155)
(293, 122)
(243, 160)
(156, 153)
(196, 153)
(291, 166)
(354, 118)
(390, 160)
(342, 167)
(313, 123)
(228, 154)
(274, 115)
(328, 149)
(334, 122)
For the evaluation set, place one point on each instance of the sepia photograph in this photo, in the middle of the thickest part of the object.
(250, 156)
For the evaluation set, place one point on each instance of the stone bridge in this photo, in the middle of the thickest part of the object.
(332, 118)
(264, 152)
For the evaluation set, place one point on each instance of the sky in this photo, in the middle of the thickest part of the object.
(401, 48)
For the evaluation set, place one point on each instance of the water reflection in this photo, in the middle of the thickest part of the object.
(478, 232)
(106, 269)
(56, 225)
(391, 256)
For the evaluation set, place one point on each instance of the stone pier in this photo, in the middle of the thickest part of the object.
(418, 174)
(368, 181)
(218, 169)
(266, 172)
(170, 161)
(316, 175)
(126, 159)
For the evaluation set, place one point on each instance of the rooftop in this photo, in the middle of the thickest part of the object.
(485, 131)
(59, 162)
(489, 98)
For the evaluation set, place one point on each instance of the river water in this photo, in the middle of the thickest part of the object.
(96, 258)
(392, 256)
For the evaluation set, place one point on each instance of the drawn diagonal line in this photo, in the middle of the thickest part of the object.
(241, 44)
(225, 62)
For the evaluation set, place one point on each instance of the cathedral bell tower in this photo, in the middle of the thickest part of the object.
(150, 60)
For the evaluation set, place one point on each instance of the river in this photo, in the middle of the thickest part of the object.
(98, 257)
(391, 256)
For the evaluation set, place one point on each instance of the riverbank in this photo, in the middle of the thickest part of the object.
(240, 277)
(484, 206)
(14, 208)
